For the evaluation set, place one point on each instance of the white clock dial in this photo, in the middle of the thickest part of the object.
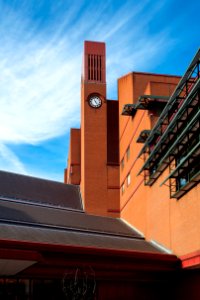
(95, 101)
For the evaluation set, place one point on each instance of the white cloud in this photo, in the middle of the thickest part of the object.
(39, 95)
(9, 161)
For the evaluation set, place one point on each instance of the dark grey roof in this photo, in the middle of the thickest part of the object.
(73, 238)
(48, 212)
(15, 186)
(52, 217)
(34, 223)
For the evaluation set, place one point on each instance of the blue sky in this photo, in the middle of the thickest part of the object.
(41, 46)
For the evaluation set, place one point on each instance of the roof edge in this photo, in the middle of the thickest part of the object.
(156, 258)
(148, 73)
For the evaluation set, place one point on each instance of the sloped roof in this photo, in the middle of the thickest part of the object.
(52, 217)
(44, 232)
(44, 211)
(42, 224)
(74, 238)
(31, 189)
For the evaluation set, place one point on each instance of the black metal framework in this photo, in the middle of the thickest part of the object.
(145, 102)
(151, 102)
(174, 140)
(129, 110)
(144, 134)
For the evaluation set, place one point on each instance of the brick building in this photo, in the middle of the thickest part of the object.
(138, 158)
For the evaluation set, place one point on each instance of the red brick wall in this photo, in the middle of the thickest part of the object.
(173, 223)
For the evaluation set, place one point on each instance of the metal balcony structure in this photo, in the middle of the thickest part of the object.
(185, 174)
(145, 102)
(177, 129)
(129, 110)
(143, 136)
(151, 102)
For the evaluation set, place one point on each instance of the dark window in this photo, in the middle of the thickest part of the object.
(128, 151)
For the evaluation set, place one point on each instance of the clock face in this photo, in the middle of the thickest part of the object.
(95, 101)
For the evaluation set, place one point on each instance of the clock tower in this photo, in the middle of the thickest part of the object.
(94, 129)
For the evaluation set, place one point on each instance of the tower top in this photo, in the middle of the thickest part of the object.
(94, 66)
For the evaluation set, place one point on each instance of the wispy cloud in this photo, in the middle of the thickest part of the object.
(41, 63)
(38, 90)
(9, 161)
(39, 96)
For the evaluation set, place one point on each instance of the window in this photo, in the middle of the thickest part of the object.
(182, 182)
(122, 163)
(128, 153)
(128, 179)
(187, 164)
(123, 188)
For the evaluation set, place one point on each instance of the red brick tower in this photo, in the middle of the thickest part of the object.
(94, 129)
